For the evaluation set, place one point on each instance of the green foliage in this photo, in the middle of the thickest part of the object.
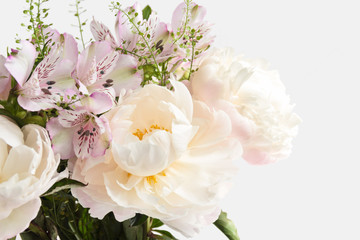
(146, 12)
(227, 226)
(13, 110)
(80, 24)
(63, 184)
(40, 37)
(61, 215)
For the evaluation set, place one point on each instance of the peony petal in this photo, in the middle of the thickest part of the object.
(21, 159)
(19, 219)
(10, 132)
(20, 65)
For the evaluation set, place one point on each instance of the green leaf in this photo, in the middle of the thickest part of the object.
(226, 226)
(133, 233)
(63, 184)
(38, 230)
(146, 12)
(166, 235)
(138, 220)
(156, 223)
(29, 236)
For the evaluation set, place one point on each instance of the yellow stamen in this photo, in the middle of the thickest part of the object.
(152, 180)
(140, 134)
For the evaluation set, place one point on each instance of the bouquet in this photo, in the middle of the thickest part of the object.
(138, 128)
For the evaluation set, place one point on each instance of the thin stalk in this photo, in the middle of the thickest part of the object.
(147, 44)
(186, 20)
(79, 22)
(192, 59)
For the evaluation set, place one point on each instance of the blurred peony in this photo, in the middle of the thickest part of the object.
(254, 98)
(27, 170)
(171, 158)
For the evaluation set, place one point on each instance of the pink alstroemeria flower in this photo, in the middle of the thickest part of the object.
(181, 28)
(50, 78)
(79, 133)
(5, 80)
(102, 72)
(157, 34)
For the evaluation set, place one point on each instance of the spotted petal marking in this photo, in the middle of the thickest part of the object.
(69, 118)
(102, 33)
(107, 64)
(85, 138)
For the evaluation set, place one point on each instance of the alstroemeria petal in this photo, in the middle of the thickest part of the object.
(104, 139)
(56, 68)
(5, 80)
(85, 138)
(98, 102)
(61, 138)
(87, 66)
(37, 103)
(21, 64)
(123, 75)
(102, 33)
(123, 30)
(69, 118)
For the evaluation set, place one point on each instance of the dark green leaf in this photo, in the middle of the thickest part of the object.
(138, 220)
(63, 184)
(38, 230)
(227, 226)
(166, 235)
(133, 233)
(29, 236)
(146, 12)
(156, 223)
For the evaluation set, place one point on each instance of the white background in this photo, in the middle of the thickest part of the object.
(315, 44)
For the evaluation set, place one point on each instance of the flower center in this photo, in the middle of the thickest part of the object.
(140, 134)
(152, 180)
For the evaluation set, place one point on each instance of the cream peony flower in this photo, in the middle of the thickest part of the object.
(170, 158)
(254, 98)
(27, 169)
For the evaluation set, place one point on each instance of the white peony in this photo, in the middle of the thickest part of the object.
(171, 158)
(27, 170)
(254, 98)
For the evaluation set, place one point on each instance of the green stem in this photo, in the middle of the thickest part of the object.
(79, 22)
(186, 20)
(147, 44)
(192, 59)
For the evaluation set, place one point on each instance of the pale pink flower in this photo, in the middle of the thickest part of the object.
(44, 88)
(170, 158)
(103, 70)
(79, 133)
(184, 27)
(254, 98)
(5, 80)
(157, 34)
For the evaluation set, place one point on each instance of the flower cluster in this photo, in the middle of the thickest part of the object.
(149, 118)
